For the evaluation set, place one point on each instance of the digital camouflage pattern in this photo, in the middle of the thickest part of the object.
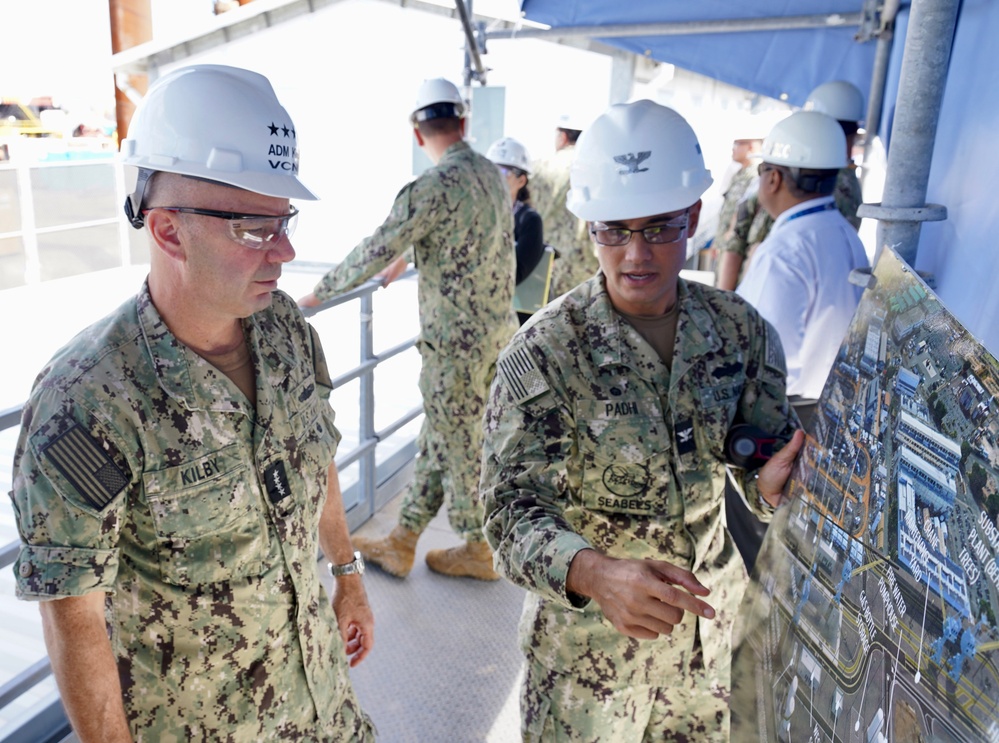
(577, 259)
(751, 223)
(849, 195)
(591, 441)
(142, 471)
(730, 202)
(458, 219)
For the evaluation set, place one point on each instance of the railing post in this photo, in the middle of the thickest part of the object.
(366, 466)
(29, 234)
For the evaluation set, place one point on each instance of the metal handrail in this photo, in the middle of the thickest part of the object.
(364, 453)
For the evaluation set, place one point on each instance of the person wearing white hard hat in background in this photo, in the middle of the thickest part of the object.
(844, 102)
(728, 264)
(174, 478)
(576, 261)
(604, 458)
(799, 276)
(512, 159)
(456, 223)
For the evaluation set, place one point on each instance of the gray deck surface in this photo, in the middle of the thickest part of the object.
(446, 666)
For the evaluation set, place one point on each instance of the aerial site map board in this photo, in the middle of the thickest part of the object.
(871, 615)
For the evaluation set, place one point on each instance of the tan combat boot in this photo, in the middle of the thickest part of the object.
(471, 560)
(393, 553)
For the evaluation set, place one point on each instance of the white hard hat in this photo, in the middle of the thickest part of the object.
(636, 160)
(219, 123)
(508, 151)
(572, 121)
(747, 126)
(806, 139)
(437, 98)
(839, 99)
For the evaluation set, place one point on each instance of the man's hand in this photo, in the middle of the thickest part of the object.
(775, 472)
(394, 270)
(641, 598)
(354, 617)
(309, 300)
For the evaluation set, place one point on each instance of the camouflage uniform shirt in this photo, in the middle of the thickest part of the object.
(549, 184)
(142, 471)
(591, 441)
(458, 218)
(730, 202)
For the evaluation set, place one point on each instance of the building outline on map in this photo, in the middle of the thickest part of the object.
(872, 612)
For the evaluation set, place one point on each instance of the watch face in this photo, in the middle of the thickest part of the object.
(355, 567)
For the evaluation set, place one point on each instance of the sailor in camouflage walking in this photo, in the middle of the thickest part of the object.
(603, 464)
(457, 217)
(576, 260)
(174, 476)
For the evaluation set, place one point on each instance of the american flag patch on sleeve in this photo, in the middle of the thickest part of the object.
(522, 376)
(86, 466)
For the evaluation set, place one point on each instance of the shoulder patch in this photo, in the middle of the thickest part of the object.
(775, 352)
(86, 467)
(522, 376)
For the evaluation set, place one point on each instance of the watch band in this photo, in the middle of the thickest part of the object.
(354, 567)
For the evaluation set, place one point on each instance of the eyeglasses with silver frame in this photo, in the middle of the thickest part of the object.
(660, 234)
(254, 231)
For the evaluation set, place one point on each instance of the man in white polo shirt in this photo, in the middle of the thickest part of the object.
(799, 277)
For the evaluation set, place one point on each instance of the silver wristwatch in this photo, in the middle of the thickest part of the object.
(354, 567)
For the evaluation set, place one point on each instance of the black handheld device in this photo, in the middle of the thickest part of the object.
(749, 447)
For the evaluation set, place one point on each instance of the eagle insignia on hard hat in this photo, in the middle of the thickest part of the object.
(631, 161)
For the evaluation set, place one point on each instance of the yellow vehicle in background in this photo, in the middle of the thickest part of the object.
(26, 120)
(17, 118)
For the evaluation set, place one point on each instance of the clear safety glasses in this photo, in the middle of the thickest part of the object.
(254, 231)
(510, 170)
(659, 234)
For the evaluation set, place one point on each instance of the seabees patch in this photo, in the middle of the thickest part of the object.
(522, 376)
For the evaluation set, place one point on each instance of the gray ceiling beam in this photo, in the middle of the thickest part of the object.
(683, 28)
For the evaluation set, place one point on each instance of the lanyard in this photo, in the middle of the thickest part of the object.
(812, 210)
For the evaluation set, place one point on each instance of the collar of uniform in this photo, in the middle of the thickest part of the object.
(603, 324)
(460, 146)
(696, 324)
(271, 333)
(177, 366)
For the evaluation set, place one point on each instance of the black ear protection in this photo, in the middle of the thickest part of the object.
(133, 203)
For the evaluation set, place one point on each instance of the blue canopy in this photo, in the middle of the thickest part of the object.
(785, 64)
